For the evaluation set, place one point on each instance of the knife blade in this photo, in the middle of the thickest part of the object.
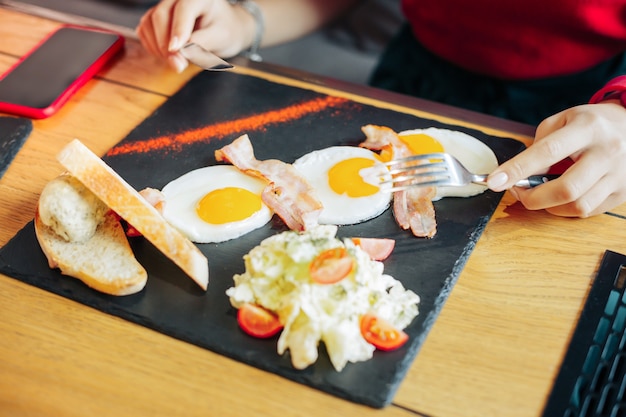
(207, 60)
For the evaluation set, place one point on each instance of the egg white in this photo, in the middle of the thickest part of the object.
(342, 209)
(471, 152)
(183, 194)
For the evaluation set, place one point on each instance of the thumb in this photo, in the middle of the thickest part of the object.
(498, 180)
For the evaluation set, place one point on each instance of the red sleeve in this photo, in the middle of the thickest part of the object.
(614, 89)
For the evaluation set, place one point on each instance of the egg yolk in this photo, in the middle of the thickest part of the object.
(421, 143)
(344, 178)
(229, 204)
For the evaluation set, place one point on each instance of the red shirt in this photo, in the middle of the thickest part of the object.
(520, 39)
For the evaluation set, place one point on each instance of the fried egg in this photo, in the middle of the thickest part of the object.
(339, 176)
(471, 152)
(215, 204)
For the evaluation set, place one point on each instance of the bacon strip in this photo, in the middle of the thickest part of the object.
(154, 197)
(288, 194)
(412, 208)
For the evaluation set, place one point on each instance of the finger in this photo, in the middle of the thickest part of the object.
(184, 18)
(609, 203)
(579, 180)
(219, 29)
(550, 124)
(178, 62)
(146, 34)
(597, 202)
(218, 40)
(161, 25)
(540, 156)
(606, 194)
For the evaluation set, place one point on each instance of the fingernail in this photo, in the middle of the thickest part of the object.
(498, 180)
(174, 44)
(179, 63)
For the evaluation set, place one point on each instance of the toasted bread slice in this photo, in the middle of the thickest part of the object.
(122, 198)
(104, 262)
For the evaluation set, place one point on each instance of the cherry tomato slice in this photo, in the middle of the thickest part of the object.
(331, 266)
(377, 249)
(381, 333)
(131, 231)
(257, 321)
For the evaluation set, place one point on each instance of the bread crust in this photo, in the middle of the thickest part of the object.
(119, 196)
(76, 259)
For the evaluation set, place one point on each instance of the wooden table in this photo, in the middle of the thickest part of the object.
(494, 350)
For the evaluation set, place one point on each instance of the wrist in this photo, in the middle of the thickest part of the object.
(613, 90)
(253, 9)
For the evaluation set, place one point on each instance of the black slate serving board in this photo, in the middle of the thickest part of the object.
(283, 122)
(13, 133)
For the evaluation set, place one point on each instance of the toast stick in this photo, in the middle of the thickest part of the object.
(122, 198)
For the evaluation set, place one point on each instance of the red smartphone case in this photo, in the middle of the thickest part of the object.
(74, 80)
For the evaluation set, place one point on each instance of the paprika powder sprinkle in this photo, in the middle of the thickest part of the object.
(220, 130)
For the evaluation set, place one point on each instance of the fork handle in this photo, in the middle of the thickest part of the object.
(535, 180)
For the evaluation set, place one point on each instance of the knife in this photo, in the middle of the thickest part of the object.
(203, 58)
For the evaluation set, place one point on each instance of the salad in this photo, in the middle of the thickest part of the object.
(313, 287)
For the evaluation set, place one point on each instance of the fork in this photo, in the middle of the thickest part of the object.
(442, 170)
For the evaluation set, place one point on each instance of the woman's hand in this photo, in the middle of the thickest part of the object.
(216, 25)
(593, 136)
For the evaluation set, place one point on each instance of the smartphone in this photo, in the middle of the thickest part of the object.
(47, 76)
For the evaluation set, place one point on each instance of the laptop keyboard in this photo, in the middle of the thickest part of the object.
(592, 378)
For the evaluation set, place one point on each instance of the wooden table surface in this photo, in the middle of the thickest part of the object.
(493, 351)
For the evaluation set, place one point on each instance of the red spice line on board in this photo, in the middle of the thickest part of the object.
(176, 141)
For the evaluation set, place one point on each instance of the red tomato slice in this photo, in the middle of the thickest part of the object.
(131, 231)
(257, 321)
(331, 266)
(381, 333)
(378, 249)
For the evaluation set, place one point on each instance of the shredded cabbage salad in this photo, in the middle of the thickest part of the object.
(277, 278)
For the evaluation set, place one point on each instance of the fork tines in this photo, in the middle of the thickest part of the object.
(418, 170)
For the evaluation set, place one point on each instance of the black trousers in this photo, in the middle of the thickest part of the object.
(407, 67)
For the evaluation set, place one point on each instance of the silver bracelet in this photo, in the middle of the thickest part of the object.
(253, 52)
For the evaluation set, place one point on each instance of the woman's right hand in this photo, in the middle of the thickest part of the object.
(216, 25)
(593, 136)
